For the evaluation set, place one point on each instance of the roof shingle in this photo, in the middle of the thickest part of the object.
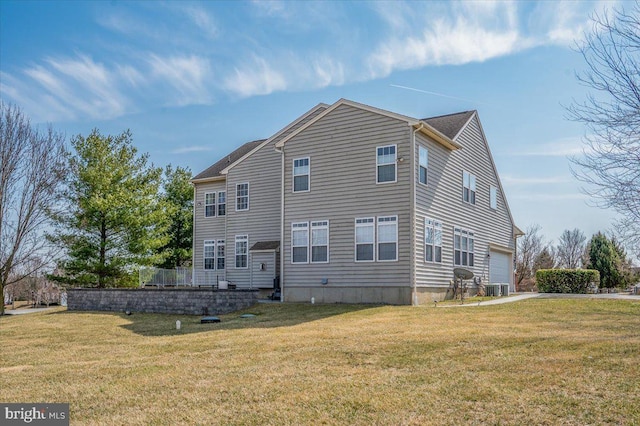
(450, 124)
(216, 168)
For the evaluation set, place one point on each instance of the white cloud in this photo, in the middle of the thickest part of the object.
(471, 32)
(550, 196)
(255, 78)
(187, 75)
(203, 20)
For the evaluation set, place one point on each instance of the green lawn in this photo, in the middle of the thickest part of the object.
(536, 362)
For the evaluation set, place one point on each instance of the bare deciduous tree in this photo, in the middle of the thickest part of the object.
(529, 248)
(610, 166)
(571, 248)
(32, 168)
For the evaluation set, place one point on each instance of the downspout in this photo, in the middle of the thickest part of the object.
(281, 151)
(193, 238)
(414, 293)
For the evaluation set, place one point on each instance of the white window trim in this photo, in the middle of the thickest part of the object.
(371, 224)
(378, 237)
(218, 203)
(435, 224)
(237, 197)
(209, 243)
(298, 226)
(220, 243)
(395, 165)
(215, 198)
(240, 239)
(493, 197)
(457, 230)
(318, 224)
(474, 186)
(426, 166)
(293, 173)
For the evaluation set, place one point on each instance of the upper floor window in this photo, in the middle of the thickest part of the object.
(423, 163)
(365, 239)
(320, 241)
(300, 242)
(468, 188)
(209, 204)
(463, 251)
(222, 203)
(493, 197)
(432, 240)
(388, 238)
(242, 251)
(386, 157)
(301, 175)
(242, 196)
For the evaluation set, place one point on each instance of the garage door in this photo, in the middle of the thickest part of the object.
(499, 268)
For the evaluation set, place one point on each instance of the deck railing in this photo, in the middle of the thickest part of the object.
(178, 277)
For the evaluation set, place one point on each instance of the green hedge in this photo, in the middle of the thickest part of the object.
(566, 280)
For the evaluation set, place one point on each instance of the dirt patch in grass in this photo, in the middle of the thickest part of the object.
(536, 361)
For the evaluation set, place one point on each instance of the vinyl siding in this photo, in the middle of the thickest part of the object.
(206, 228)
(262, 170)
(262, 221)
(342, 150)
(441, 200)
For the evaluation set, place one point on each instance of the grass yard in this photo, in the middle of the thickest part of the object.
(537, 362)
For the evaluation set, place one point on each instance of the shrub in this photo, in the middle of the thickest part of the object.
(566, 280)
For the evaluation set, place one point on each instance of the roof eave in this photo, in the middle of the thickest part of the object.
(428, 130)
(209, 179)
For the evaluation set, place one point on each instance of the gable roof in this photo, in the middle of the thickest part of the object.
(420, 125)
(214, 170)
(450, 125)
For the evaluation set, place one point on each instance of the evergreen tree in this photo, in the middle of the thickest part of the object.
(178, 196)
(544, 260)
(604, 258)
(114, 219)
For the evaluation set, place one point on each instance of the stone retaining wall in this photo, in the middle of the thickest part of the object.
(182, 301)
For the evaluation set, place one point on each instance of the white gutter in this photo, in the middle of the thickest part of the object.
(414, 292)
(281, 151)
(193, 234)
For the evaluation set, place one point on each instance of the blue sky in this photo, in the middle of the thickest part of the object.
(193, 81)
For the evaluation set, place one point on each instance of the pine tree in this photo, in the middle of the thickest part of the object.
(115, 220)
(604, 258)
(178, 195)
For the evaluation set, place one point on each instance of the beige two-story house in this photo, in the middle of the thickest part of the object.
(354, 204)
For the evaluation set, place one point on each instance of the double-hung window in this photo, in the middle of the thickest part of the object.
(423, 155)
(493, 197)
(388, 238)
(386, 157)
(365, 239)
(300, 242)
(242, 196)
(463, 250)
(432, 240)
(209, 254)
(242, 250)
(301, 175)
(222, 203)
(320, 241)
(468, 188)
(220, 254)
(210, 204)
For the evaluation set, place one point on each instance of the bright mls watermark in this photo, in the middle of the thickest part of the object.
(34, 414)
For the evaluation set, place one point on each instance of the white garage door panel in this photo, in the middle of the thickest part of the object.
(499, 268)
